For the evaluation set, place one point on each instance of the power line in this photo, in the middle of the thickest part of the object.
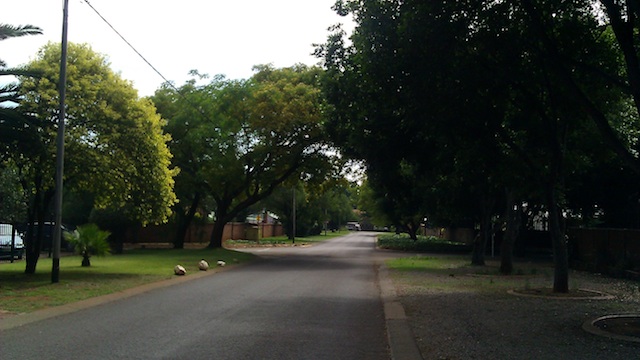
(169, 83)
(131, 46)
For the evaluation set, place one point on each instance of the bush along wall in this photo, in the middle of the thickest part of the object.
(403, 242)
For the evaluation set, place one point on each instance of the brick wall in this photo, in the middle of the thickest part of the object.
(198, 233)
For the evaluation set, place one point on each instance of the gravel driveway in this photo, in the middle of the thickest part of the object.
(457, 314)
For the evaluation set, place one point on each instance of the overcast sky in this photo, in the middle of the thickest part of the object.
(215, 37)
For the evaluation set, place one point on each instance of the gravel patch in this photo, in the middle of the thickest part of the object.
(457, 316)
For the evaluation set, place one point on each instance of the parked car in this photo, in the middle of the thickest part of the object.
(7, 235)
(47, 241)
(353, 226)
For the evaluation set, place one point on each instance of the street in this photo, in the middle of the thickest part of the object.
(318, 302)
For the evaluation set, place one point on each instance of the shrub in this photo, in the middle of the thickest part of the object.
(89, 240)
(403, 242)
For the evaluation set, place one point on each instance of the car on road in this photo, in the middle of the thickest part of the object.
(7, 236)
(353, 226)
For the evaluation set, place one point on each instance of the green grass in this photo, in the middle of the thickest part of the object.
(458, 264)
(438, 264)
(283, 240)
(455, 273)
(21, 293)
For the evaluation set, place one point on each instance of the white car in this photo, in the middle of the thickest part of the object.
(353, 226)
(5, 243)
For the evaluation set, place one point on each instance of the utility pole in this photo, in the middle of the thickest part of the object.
(293, 234)
(62, 87)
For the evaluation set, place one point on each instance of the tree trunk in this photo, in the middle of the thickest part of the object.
(33, 243)
(184, 221)
(560, 252)
(479, 245)
(480, 241)
(85, 260)
(216, 233)
(412, 230)
(31, 262)
(513, 219)
(35, 235)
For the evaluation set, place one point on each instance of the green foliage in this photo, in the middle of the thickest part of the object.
(115, 146)
(88, 240)
(9, 31)
(460, 91)
(308, 221)
(115, 149)
(475, 97)
(372, 205)
(412, 81)
(13, 133)
(403, 242)
(114, 221)
(315, 205)
(12, 199)
(236, 141)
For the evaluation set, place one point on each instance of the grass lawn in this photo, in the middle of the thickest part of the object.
(455, 273)
(21, 293)
(461, 265)
(446, 268)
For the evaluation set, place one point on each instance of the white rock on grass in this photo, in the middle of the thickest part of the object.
(203, 265)
(179, 270)
(221, 263)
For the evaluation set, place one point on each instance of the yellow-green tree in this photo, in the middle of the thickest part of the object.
(115, 146)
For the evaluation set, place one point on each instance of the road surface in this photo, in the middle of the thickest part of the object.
(318, 302)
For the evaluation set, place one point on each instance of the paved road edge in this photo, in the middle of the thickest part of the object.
(401, 339)
(38, 315)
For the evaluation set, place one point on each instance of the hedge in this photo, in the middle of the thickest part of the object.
(403, 242)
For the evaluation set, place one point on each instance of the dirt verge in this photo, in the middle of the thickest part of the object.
(473, 317)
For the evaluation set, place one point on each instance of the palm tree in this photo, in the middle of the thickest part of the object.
(11, 120)
(89, 240)
(9, 31)
(19, 134)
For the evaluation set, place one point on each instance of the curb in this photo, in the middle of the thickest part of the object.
(597, 295)
(591, 327)
(401, 339)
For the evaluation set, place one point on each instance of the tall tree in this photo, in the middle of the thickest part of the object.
(412, 84)
(187, 122)
(240, 139)
(458, 89)
(12, 134)
(556, 36)
(115, 147)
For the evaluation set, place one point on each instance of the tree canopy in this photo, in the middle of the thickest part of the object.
(115, 146)
(238, 140)
(455, 106)
(12, 199)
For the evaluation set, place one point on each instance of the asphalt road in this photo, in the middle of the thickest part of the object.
(319, 302)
